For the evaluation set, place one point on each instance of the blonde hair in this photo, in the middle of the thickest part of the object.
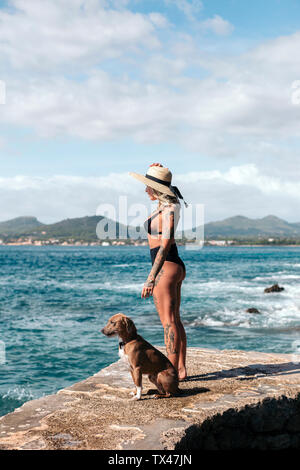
(165, 198)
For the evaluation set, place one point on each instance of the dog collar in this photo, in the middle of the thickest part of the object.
(121, 344)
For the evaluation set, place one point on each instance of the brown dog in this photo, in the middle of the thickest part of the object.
(142, 358)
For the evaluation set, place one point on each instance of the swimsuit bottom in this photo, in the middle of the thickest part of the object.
(171, 256)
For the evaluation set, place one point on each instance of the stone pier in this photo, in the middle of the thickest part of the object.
(231, 400)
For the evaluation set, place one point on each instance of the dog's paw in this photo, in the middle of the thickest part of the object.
(135, 398)
(132, 394)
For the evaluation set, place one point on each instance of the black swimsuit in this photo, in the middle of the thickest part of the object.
(173, 251)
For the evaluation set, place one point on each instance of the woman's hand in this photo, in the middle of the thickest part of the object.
(147, 290)
(156, 164)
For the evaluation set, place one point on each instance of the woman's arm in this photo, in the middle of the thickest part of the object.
(167, 235)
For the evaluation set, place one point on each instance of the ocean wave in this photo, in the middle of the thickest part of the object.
(292, 265)
(124, 265)
(243, 287)
(278, 277)
(78, 285)
(18, 393)
(221, 286)
(121, 286)
(278, 315)
(224, 318)
(14, 398)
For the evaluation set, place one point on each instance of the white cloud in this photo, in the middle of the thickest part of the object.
(234, 117)
(39, 36)
(217, 25)
(190, 8)
(249, 176)
(164, 69)
(60, 196)
(159, 20)
(230, 106)
(241, 190)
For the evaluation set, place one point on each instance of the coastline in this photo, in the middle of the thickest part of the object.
(236, 245)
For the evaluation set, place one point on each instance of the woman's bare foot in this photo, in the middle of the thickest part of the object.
(182, 374)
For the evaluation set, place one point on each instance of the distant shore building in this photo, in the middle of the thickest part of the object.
(220, 242)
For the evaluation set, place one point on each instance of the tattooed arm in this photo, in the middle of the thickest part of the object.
(166, 239)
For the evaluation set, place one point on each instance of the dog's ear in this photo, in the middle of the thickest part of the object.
(129, 325)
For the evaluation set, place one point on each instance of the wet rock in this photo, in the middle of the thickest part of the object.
(281, 441)
(252, 310)
(274, 288)
(268, 421)
(258, 443)
(209, 443)
(294, 423)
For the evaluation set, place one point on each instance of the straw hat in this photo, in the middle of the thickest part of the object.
(159, 178)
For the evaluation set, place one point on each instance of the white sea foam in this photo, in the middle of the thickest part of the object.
(225, 317)
(19, 393)
(84, 285)
(124, 265)
(277, 277)
(282, 311)
(292, 265)
(134, 287)
(206, 287)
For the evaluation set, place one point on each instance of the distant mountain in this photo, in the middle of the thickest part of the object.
(19, 225)
(81, 228)
(84, 228)
(243, 227)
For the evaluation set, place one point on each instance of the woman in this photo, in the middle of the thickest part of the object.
(168, 270)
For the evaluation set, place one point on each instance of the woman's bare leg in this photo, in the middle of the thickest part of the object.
(182, 350)
(165, 298)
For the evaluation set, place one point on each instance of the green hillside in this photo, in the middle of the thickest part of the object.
(243, 227)
(19, 225)
(81, 228)
(84, 229)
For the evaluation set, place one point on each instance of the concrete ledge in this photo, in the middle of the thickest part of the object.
(223, 405)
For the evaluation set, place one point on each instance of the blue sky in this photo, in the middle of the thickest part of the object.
(252, 20)
(97, 88)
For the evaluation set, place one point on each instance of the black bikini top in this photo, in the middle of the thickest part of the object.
(154, 231)
(147, 225)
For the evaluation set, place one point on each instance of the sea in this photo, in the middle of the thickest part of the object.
(55, 300)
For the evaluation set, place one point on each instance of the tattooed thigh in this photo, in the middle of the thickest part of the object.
(159, 275)
(155, 300)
